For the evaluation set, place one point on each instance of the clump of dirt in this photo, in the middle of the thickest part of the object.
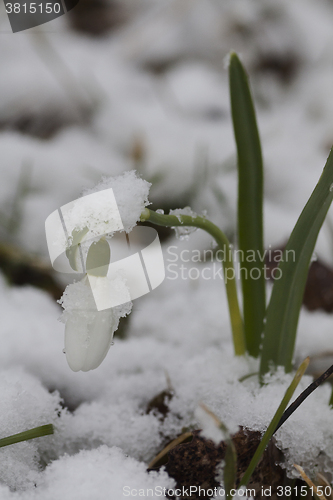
(160, 403)
(197, 463)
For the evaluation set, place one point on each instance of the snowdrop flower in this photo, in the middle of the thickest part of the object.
(90, 319)
(89, 331)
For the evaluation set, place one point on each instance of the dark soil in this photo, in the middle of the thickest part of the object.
(195, 464)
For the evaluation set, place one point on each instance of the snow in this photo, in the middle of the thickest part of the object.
(131, 194)
(75, 109)
(211, 427)
(100, 473)
(113, 398)
(25, 404)
(183, 232)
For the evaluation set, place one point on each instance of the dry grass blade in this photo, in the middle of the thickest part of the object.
(322, 481)
(309, 482)
(179, 440)
(212, 415)
(230, 468)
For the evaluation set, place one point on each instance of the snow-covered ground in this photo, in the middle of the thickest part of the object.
(153, 95)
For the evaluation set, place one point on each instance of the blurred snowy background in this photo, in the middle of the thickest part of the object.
(142, 84)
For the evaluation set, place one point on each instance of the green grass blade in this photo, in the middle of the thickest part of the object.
(331, 399)
(230, 468)
(43, 430)
(250, 200)
(274, 422)
(287, 295)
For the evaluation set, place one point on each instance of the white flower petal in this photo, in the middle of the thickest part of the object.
(88, 336)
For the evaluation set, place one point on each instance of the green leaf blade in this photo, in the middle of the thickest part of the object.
(230, 468)
(287, 295)
(274, 422)
(250, 202)
(43, 430)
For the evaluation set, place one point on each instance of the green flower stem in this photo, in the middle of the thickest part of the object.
(223, 243)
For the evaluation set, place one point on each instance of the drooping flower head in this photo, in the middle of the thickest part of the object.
(91, 225)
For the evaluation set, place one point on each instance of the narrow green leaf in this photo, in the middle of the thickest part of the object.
(43, 430)
(331, 399)
(274, 422)
(230, 468)
(287, 295)
(250, 200)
